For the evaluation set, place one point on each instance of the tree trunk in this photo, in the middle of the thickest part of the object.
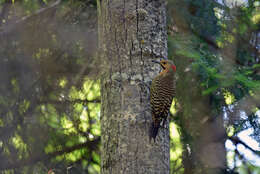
(131, 34)
(202, 126)
(201, 123)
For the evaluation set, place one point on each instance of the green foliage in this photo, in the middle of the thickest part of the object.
(203, 21)
(50, 102)
(49, 105)
(227, 74)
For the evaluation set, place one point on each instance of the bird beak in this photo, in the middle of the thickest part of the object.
(155, 61)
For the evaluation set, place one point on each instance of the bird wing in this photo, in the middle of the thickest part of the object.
(160, 100)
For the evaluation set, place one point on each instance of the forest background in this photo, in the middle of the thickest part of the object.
(50, 70)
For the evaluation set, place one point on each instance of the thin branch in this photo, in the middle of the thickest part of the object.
(236, 141)
(83, 101)
(26, 19)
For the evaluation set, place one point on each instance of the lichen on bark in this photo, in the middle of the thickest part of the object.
(131, 34)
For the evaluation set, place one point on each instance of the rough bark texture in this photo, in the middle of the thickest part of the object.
(131, 34)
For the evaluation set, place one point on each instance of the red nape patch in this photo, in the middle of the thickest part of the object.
(174, 68)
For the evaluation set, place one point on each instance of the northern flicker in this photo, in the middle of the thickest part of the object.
(162, 93)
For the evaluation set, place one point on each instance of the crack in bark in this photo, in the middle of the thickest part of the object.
(125, 96)
(137, 19)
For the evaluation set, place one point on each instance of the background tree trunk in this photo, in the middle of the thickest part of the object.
(203, 134)
(202, 129)
(131, 34)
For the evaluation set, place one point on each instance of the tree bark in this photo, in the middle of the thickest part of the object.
(131, 34)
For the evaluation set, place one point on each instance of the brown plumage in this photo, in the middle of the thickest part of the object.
(162, 93)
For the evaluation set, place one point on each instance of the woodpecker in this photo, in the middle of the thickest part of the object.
(162, 92)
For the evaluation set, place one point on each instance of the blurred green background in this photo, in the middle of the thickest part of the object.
(50, 88)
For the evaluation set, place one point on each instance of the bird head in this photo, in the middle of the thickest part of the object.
(167, 65)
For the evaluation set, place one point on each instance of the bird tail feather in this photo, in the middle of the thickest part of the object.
(154, 130)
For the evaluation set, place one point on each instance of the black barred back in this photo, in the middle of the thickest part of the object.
(162, 93)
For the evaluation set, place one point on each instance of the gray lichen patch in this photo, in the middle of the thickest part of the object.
(142, 14)
(137, 77)
(116, 76)
(124, 76)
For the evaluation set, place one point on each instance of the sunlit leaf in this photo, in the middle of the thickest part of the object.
(210, 90)
(229, 98)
